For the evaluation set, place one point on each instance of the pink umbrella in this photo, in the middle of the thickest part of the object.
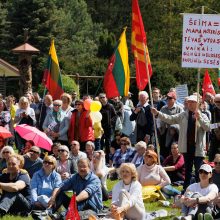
(39, 138)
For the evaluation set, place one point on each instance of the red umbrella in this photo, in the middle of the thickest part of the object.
(5, 133)
(39, 138)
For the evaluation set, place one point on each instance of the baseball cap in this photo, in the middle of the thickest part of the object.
(171, 94)
(192, 98)
(206, 167)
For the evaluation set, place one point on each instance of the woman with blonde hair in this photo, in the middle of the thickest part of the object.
(127, 198)
(66, 104)
(45, 183)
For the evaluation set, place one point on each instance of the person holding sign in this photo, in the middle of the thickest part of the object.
(191, 148)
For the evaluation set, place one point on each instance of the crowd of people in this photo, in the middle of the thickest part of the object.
(122, 145)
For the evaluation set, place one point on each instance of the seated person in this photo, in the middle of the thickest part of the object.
(216, 180)
(201, 195)
(75, 153)
(45, 183)
(152, 174)
(54, 148)
(99, 168)
(90, 148)
(15, 186)
(125, 154)
(65, 166)
(6, 152)
(32, 160)
(127, 201)
(139, 156)
(174, 165)
(27, 146)
(87, 187)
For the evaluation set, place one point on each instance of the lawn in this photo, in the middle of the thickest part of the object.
(152, 206)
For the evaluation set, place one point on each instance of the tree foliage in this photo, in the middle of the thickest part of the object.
(86, 32)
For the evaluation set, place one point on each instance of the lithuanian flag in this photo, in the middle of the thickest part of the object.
(52, 74)
(117, 76)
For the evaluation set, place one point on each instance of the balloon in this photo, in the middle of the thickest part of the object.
(96, 116)
(95, 106)
(87, 104)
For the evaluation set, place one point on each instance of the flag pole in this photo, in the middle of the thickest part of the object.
(152, 104)
(198, 96)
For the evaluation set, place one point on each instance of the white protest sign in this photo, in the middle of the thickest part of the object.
(181, 92)
(201, 41)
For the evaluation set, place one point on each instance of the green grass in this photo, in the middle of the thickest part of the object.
(152, 206)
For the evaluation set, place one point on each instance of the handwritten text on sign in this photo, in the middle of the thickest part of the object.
(201, 41)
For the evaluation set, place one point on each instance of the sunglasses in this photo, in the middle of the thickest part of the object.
(6, 152)
(216, 163)
(102, 97)
(36, 152)
(169, 98)
(61, 150)
(203, 172)
(47, 162)
(123, 143)
(56, 105)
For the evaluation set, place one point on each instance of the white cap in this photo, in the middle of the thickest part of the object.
(206, 167)
(192, 98)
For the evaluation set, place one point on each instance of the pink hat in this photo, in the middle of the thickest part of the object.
(171, 94)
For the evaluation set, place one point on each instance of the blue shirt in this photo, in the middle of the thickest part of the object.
(32, 166)
(120, 158)
(91, 184)
(41, 184)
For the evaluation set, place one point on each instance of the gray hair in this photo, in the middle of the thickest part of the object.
(91, 143)
(8, 148)
(144, 93)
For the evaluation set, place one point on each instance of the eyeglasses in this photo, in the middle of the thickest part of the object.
(47, 162)
(169, 98)
(36, 152)
(6, 152)
(203, 172)
(61, 150)
(216, 163)
(56, 105)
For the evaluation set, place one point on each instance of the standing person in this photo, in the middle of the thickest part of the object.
(15, 185)
(56, 124)
(109, 117)
(167, 133)
(44, 109)
(192, 150)
(66, 104)
(157, 101)
(23, 115)
(74, 98)
(143, 117)
(215, 133)
(5, 116)
(80, 128)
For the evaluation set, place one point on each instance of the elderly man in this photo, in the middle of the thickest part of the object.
(191, 147)
(168, 134)
(32, 160)
(215, 134)
(75, 153)
(143, 117)
(87, 187)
